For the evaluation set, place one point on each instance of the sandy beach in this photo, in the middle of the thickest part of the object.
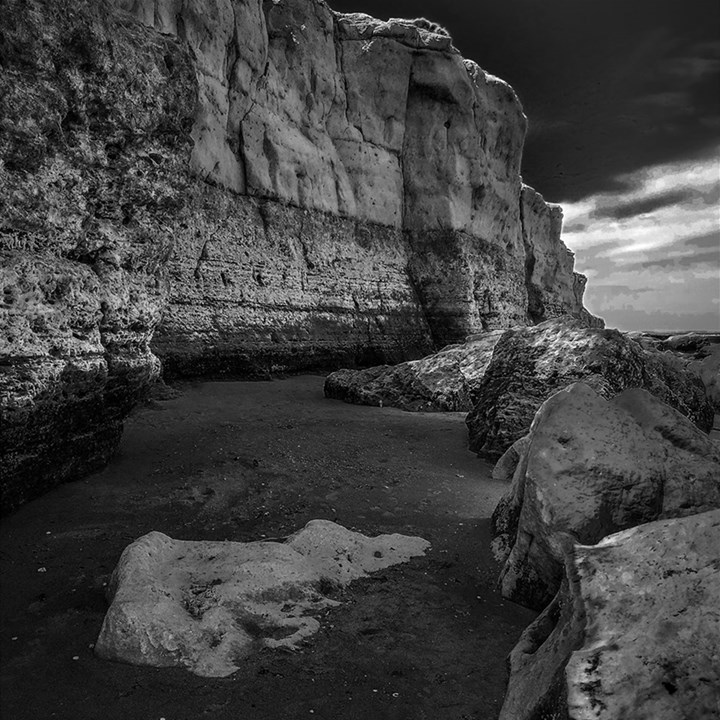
(255, 460)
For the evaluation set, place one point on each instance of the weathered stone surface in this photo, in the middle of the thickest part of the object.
(205, 605)
(397, 166)
(592, 467)
(445, 381)
(91, 176)
(552, 286)
(698, 352)
(531, 364)
(634, 633)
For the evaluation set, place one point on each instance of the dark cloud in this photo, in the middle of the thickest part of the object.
(707, 240)
(609, 87)
(690, 260)
(640, 206)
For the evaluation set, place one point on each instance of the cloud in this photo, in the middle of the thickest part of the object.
(680, 260)
(652, 251)
(644, 205)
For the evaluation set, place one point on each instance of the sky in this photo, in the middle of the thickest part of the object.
(623, 101)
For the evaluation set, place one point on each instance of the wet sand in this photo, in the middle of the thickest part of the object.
(426, 640)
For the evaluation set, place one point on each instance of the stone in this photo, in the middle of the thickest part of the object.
(633, 632)
(591, 467)
(204, 605)
(699, 354)
(530, 364)
(443, 382)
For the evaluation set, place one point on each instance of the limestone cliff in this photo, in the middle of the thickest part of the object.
(330, 189)
(378, 205)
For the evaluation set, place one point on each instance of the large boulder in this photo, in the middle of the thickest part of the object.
(531, 364)
(204, 605)
(592, 467)
(634, 631)
(445, 381)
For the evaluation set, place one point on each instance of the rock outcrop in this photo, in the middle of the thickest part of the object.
(378, 208)
(443, 382)
(531, 364)
(94, 142)
(634, 631)
(592, 467)
(331, 190)
(206, 605)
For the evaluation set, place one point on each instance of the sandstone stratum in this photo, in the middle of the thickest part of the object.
(244, 188)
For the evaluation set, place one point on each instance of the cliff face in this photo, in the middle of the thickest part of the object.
(377, 204)
(93, 144)
(285, 186)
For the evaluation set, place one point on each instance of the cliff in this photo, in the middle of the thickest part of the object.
(243, 187)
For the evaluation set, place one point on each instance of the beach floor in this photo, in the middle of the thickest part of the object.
(244, 461)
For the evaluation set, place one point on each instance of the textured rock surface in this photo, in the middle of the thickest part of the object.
(205, 605)
(445, 381)
(699, 352)
(634, 633)
(592, 467)
(91, 177)
(531, 364)
(396, 166)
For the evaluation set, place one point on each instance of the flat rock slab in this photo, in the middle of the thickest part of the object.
(205, 605)
(443, 382)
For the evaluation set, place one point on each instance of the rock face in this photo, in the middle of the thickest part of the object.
(591, 467)
(531, 364)
(377, 208)
(205, 605)
(331, 189)
(94, 139)
(634, 633)
(445, 381)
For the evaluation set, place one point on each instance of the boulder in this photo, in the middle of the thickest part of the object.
(633, 632)
(205, 605)
(699, 353)
(531, 364)
(445, 381)
(591, 467)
